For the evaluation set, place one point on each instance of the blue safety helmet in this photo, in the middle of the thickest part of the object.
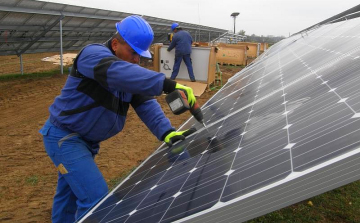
(174, 26)
(137, 33)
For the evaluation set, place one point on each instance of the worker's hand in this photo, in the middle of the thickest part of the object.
(189, 93)
(173, 137)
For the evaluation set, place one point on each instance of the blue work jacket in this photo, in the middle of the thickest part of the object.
(182, 41)
(95, 101)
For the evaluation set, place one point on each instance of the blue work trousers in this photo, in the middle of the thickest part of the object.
(187, 61)
(80, 182)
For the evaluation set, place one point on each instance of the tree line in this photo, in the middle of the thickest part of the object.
(261, 39)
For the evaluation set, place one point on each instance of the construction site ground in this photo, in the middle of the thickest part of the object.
(28, 177)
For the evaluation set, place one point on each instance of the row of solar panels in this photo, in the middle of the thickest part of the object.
(28, 26)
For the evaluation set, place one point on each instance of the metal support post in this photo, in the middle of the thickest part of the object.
(21, 65)
(61, 49)
(234, 23)
(258, 49)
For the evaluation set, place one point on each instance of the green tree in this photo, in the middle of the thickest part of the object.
(241, 32)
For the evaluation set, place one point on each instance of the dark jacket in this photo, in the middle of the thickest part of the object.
(95, 104)
(182, 41)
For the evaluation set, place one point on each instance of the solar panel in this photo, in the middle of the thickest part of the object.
(280, 131)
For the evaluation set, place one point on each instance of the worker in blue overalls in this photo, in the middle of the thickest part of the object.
(182, 41)
(92, 107)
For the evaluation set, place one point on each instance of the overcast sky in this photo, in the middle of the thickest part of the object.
(260, 17)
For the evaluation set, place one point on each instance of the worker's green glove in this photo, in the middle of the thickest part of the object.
(189, 92)
(173, 137)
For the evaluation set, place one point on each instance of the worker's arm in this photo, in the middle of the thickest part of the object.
(97, 62)
(190, 37)
(173, 43)
(150, 112)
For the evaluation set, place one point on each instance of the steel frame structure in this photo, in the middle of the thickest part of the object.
(28, 26)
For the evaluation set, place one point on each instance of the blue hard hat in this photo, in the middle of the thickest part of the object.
(174, 26)
(137, 33)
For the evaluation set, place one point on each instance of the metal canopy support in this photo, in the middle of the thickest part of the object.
(41, 35)
(21, 65)
(38, 27)
(61, 49)
(92, 16)
(56, 39)
(228, 35)
(32, 30)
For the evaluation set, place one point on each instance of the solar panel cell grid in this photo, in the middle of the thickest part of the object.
(280, 130)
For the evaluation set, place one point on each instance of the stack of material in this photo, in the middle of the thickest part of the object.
(200, 44)
(68, 59)
(251, 48)
(231, 54)
(263, 47)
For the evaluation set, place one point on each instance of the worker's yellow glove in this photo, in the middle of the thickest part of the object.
(189, 93)
(173, 137)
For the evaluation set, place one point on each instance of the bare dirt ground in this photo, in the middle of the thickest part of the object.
(28, 177)
(31, 63)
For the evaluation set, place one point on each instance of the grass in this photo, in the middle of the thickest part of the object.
(233, 66)
(6, 77)
(339, 205)
(32, 180)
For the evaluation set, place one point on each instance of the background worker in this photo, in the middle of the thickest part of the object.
(182, 41)
(92, 107)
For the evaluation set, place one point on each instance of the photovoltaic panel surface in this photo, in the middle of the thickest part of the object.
(282, 130)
